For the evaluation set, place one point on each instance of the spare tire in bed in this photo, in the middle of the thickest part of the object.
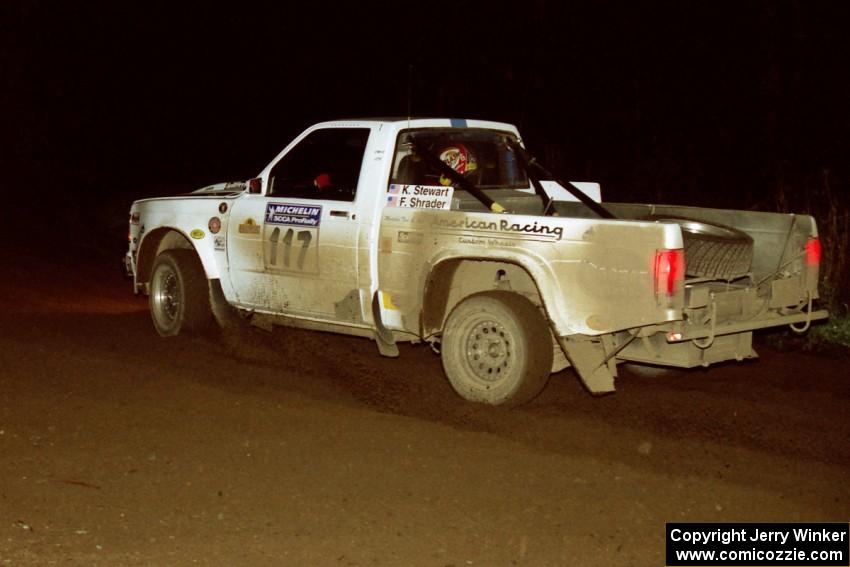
(713, 250)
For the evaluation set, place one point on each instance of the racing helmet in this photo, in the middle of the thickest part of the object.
(459, 158)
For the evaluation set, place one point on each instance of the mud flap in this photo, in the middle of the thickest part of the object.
(383, 336)
(589, 360)
(229, 318)
(224, 313)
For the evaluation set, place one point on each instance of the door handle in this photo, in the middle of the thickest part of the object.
(343, 214)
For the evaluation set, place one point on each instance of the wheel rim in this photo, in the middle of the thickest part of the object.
(167, 295)
(489, 351)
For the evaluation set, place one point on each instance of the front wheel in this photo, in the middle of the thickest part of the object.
(179, 294)
(496, 349)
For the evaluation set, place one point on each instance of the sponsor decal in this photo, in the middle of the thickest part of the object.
(197, 233)
(420, 196)
(250, 226)
(469, 224)
(214, 225)
(406, 237)
(392, 218)
(222, 208)
(387, 300)
(219, 242)
(489, 242)
(493, 242)
(293, 214)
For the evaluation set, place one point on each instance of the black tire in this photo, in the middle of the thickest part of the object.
(713, 250)
(179, 294)
(496, 349)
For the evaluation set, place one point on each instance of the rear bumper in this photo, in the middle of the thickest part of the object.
(687, 345)
(682, 332)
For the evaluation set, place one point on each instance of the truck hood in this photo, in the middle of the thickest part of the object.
(225, 188)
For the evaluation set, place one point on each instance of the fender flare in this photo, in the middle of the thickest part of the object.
(166, 238)
(437, 286)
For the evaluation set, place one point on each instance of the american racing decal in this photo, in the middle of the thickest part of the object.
(292, 214)
(406, 237)
(501, 226)
(420, 196)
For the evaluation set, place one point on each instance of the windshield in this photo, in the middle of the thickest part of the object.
(482, 157)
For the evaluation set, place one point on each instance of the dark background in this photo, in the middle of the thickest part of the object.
(730, 104)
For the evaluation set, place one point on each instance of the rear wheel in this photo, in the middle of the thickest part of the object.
(496, 349)
(179, 294)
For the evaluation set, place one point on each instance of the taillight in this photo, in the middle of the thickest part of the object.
(813, 252)
(134, 219)
(669, 272)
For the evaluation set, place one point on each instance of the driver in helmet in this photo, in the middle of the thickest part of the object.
(459, 158)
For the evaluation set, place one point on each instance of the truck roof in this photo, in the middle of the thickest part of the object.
(389, 128)
(419, 122)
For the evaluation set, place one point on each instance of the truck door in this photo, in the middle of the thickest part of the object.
(294, 250)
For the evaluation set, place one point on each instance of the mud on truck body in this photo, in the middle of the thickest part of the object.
(447, 232)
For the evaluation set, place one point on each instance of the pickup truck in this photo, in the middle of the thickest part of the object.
(446, 231)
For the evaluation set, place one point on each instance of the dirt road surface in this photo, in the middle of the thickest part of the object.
(298, 448)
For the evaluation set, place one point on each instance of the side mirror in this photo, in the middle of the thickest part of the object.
(255, 185)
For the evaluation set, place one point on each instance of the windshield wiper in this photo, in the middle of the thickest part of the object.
(458, 179)
(531, 163)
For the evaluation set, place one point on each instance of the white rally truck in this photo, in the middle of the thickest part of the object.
(448, 232)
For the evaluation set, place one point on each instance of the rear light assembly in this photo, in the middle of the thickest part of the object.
(813, 252)
(134, 220)
(812, 256)
(669, 272)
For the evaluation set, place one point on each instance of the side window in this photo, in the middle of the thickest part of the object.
(324, 165)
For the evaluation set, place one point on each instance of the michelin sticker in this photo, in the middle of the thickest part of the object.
(293, 214)
(420, 196)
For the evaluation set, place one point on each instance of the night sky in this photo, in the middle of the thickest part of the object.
(713, 103)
